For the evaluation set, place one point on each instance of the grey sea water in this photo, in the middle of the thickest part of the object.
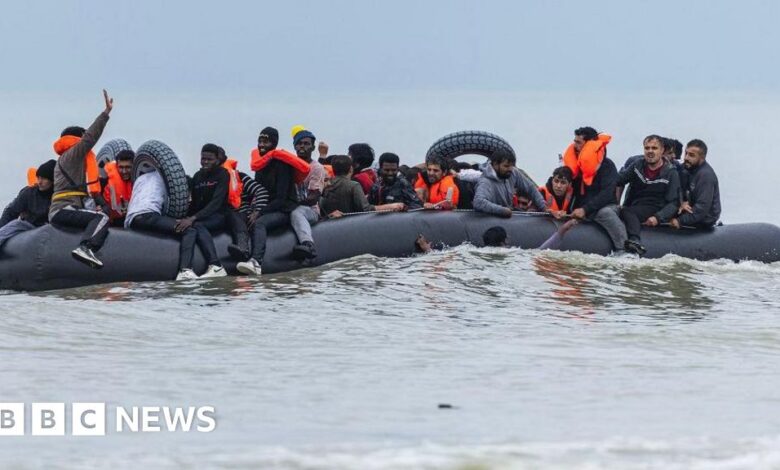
(547, 359)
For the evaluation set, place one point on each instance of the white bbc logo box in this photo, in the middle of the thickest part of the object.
(48, 419)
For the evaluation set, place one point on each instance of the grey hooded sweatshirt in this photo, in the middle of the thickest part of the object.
(494, 194)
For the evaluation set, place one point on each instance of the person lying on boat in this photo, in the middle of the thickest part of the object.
(279, 171)
(309, 192)
(500, 181)
(30, 208)
(118, 188)
(343, 195)
(653, 193)
(558, 193)
(436, 187)
(392, 187)
(77, 200)
(702, 208)
(595, 179)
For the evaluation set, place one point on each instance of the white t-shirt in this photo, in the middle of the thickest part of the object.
(148, 196)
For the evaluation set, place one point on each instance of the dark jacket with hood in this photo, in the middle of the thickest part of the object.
(661, 192)
(31, 205)
(703, 196)
(600, 193)
(400, 191)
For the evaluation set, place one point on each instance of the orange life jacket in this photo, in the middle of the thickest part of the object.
(63, 144)
(329, 170)
(236, 186)
(260, 161)
(588, 162)
(117, 192)
(437, 192)
(552, 203)
(32, 176)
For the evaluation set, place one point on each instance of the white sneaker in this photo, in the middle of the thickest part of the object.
(214, 271)
(186, 275)
(86, 256)
(251, 267)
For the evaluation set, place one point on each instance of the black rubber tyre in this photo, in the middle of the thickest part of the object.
(461, 143)
(109, 151)
(156, 155)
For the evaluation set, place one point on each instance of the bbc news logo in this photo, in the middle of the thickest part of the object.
(89, 419)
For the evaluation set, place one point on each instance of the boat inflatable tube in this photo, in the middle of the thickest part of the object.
(40, 259)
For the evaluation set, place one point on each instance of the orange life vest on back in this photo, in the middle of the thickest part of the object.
(261, 161)
(437, 192)
(117, 192)
(32, 176)
(63, 144)
(236, 186)
(588, 162)
(552, 202)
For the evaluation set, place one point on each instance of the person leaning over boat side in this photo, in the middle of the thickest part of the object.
(77, 201)
(30, 208)
(278, 171)
(702, 208)
(436, 187)
(362, 156)
(558, 193)
(209, 206)
(343, 195)
(499, 183)
(309, 193)
(118, 189)
(653, 192)
(391, 187)
(595, 179)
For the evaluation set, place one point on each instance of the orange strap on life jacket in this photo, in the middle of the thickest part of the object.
(437, 192)
(236, 186)
(32, 176)
(63, 144)
(117, 192)
(588, 162)
(552, 203)
(261, 161)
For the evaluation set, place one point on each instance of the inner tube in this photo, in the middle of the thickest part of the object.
(40, 259)
(154, 155)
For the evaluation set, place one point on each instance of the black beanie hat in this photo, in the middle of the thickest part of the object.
(46, 170)
(272, 134)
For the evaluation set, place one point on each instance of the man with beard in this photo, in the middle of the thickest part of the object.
(390, 188)
(309, 193)
(499, 183)
(437, 188)
(702, 208)
(653, 189)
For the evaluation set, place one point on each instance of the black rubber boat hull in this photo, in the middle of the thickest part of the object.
(41, 259)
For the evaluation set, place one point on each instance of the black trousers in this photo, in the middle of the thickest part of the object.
(94, 223)
(633, 216)
(197, 234)
(263, 224)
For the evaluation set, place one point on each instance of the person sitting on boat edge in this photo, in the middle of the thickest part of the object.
(279, 171)
(118, 188)
(77, 200)
(30, 208)
(702, 208)
(558, 193)
(595, 179)
(436, 186)
(208, 210)
(362, 156)
(392, 187)
(498, 184)
(309, 193)
(236, 221)
(343, 195)
(653, 192)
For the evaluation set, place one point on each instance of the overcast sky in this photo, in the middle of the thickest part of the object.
(390, 45)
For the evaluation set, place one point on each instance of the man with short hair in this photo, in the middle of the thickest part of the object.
(309, 193)
(702, 208)
(499, 183)
(119, 186)
(391, 187)
(30, 208)
(595, 180)
(344, 195)
(558, 193)
(436, 187)
(76, 201)
(362, 156)
(653, 191)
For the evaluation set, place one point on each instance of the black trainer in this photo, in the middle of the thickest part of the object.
(304, 251)
(633, 246)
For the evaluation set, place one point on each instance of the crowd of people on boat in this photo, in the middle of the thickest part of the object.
(296, 190)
